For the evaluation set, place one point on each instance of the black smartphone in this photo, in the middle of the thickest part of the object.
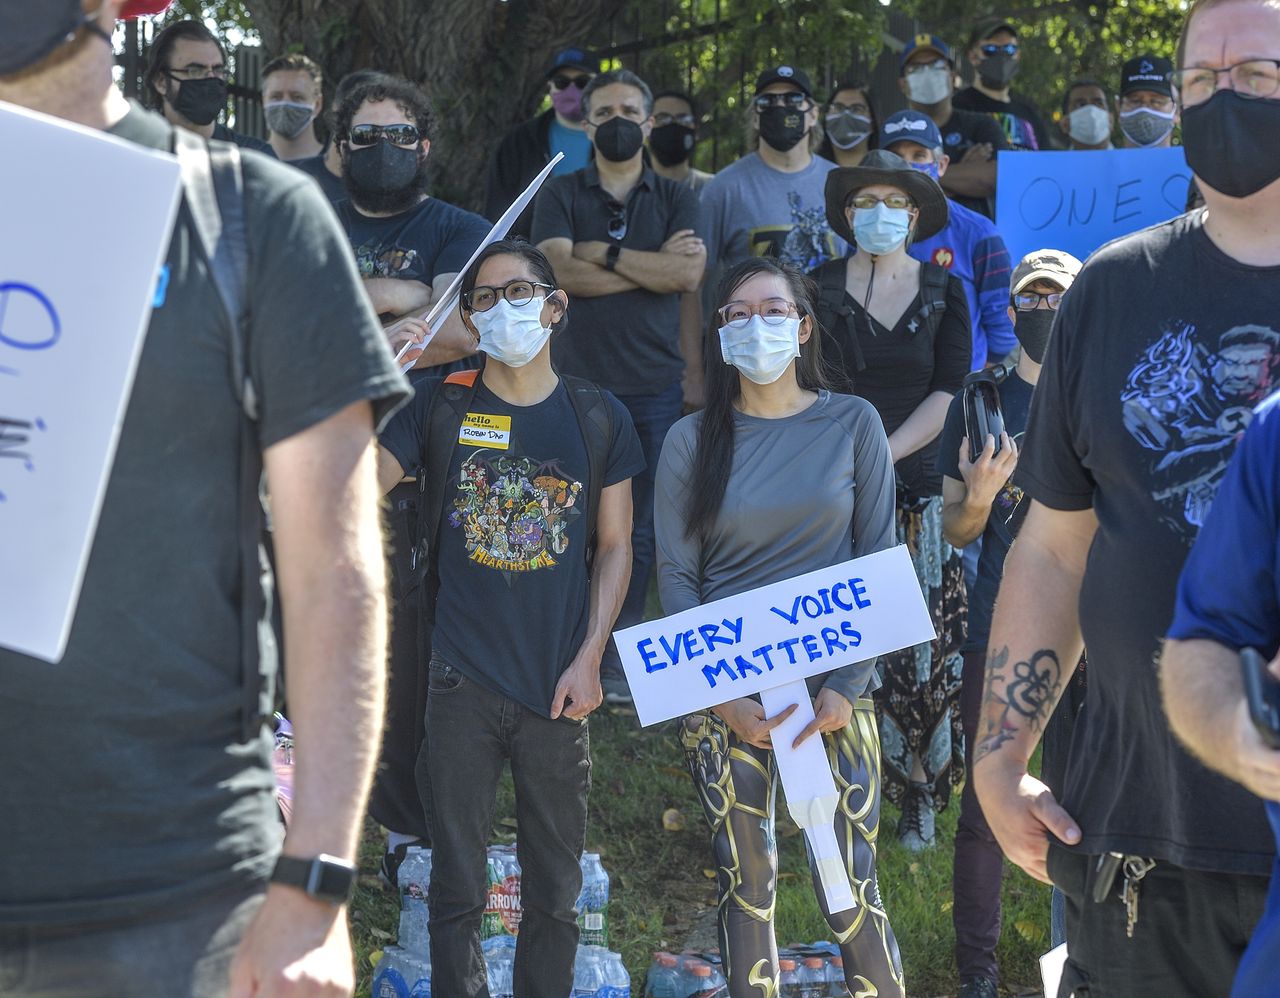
(982, 413)
(1262, 691)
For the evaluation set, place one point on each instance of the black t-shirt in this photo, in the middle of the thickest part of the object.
(333, 187)
(128, 785)
(963, 130)
(224, 134)
(514, 600)
(1018, 119)
(1007, 512)
(1163, 347)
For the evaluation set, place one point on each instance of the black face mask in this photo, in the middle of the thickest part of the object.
(1233, 142)
(200, 101)
(997, 70)
(385, 177)
(618, 139)
(1032, 329)
(671, 144)
(782, 127)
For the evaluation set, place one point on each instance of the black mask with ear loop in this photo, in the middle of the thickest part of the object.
(982, 412)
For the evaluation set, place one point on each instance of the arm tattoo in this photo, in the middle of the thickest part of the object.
(1016, 699)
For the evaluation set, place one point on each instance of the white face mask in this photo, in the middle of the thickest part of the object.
(512, 334)
(1089, 125)
(929, 86)
(761, 350)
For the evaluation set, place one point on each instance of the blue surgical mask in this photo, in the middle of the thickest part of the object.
(929, 168)
(881, 229)
(761, 350)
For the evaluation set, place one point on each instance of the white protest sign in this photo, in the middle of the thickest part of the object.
(72, 323)
(770, 636)
(1052, 964)
(449, 300)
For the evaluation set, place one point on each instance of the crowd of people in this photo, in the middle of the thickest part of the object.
(719, 381)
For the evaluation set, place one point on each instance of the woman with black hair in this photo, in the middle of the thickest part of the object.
(777, 477)
(849, 124)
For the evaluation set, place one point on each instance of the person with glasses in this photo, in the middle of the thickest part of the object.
(996, 56)
(1087, 120)
(523, 594)
(1148, 110)
(898, 333)
(186, 79)
(1148, 383)
(673, 139)
(326, 167)
(776, 477)
(626, 245)
(529, 146)
(981, 498)
(926, 76)
(849, 123)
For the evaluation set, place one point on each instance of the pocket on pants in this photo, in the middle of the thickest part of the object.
(443, 679)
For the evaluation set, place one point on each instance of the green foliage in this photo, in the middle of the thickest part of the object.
(231, 17)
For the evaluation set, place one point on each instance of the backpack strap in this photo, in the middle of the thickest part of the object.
(933, 299)
(595, 420)
(838, 317)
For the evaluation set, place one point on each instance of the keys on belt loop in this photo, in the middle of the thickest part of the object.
(1135, 868)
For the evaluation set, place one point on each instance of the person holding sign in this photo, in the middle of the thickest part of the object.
(899, 330)
(525, 542)
(777, 477)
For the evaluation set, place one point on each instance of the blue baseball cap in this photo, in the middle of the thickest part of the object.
(575, 57)
(910, 126)
(928, 43)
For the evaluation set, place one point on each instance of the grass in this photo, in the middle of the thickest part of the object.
(662, 888)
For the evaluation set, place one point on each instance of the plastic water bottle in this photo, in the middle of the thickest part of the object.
(413, 878)
(593, 902)
(789, 980)
(388, 975)
(835, 978)
(588, 974)
(664, 978)
(811, 978)
(616, 981)
(418, 976)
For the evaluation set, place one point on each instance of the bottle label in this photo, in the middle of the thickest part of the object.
(593, 921)
(390, 985)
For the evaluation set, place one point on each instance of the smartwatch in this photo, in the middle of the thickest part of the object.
(325, 878)
(611, 256)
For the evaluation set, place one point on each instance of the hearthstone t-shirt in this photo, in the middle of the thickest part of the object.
(1161, 350)
(1019, 120)
(513, 605)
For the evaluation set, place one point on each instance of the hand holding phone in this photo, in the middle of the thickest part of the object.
(1262, 692)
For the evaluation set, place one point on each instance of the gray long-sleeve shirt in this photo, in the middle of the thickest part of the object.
(805, 492)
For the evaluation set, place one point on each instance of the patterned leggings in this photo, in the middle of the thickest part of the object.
(736, 783)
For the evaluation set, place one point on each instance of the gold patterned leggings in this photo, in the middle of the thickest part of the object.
(737, 784)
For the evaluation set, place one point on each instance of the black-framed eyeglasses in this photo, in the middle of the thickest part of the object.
(367, 135)
(518, 292)
(560, 81)
(867, 201)
(1029, 301)
(1254, 78)
(1008, 48)
(618, 223)
(663, 118)
(774, 311)
(197, 71)
(793, 100)
(835, 107)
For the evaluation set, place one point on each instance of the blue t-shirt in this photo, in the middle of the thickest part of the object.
(514, 594)
(1230, 593)
(573, 142)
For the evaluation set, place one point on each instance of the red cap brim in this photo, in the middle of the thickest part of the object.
(143, 8)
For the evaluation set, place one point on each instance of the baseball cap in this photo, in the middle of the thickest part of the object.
(575, 57)
(928, 43)
(1147, 72)
(785, 74)
(987, 27)
(1057, 266)
(910, 126)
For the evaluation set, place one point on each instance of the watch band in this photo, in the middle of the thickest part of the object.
(611, 256)
(325, 878)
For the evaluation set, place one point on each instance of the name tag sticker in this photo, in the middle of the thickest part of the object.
(482, 430)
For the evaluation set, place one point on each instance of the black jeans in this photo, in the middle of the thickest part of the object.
(1192, 929)
(471, 731)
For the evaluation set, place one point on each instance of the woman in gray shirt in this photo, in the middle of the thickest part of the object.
(775, 478)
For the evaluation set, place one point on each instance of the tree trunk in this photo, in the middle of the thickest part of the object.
(481, 62)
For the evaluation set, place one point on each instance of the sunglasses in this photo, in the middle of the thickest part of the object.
(618, 224)
(795, 101)
(367, 135)
(560, 82)
(866, 201)
(1008, 48)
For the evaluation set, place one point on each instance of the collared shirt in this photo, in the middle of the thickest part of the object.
(627, 342)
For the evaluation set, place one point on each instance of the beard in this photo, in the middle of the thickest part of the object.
(382, 202)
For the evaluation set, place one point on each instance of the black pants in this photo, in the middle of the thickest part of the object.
(1191, 931)
(471, 732)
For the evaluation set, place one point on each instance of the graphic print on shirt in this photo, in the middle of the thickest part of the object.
(380, 260)
(1010, 507)
(1189, 403)
(806, 242)
(514, 512)
(1017, 131)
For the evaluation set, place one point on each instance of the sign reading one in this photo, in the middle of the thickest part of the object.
(70, 338)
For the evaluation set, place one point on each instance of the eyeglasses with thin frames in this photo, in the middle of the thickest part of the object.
(197, 71)
(773, 311)
(1255, 79)
(866, 201)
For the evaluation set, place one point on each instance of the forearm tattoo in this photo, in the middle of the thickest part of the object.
(1017, 698)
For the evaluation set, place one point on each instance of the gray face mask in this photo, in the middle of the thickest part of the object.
(1145, 127)
(288, 119)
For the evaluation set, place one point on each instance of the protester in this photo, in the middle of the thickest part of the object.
(292, 98)
(926, 75)
(1086, 118)
(326, 166)
(1147, 385)
(141, 822)
(1227, 602)
(899, 332)
(849, 123)
(187, 76)
(996, 55)
(530, 146)
(969, 247)
(1148, 110)
(981, 499)
(673, 139)
(534, 527)
(729, 521)
(622, 240)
